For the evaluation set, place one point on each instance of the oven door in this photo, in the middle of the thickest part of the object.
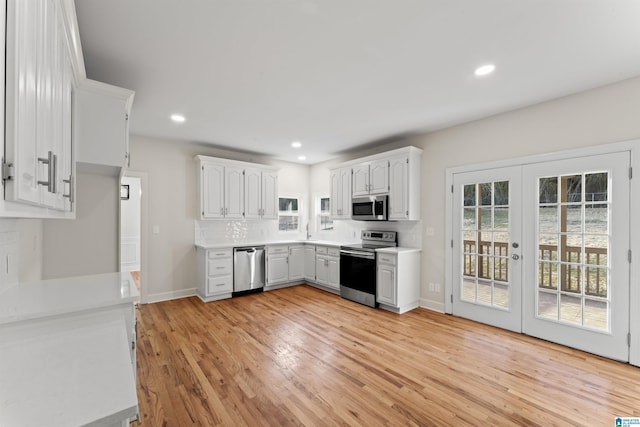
(358, 270)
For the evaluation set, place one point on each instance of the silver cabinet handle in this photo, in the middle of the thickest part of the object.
(70, 195)
(50, 161)
(221, 211)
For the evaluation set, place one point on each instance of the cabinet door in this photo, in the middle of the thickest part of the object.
(23, 28)
(269, 195)
(336, 194)
(212, 191)
(333, 272)
(296, 262)
(321, 269)
(234, 192)
(277, 269)
(360, 180)
(386, 286)
(310, 262)
(345, 193)
(252, 193)
(379, 177)
(399, 188)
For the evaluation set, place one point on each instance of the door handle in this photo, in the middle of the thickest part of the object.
(515, 257)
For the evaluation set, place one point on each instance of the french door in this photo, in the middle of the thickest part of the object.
(543, 249)
(576, 269)
(486, 246)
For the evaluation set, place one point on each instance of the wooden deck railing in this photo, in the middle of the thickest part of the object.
(569, 276)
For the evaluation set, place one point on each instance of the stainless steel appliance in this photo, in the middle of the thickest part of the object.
(358, 266)
(248, 268)
(369, 208)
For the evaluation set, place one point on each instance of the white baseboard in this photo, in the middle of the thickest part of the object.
(432, 305)
(166, 296)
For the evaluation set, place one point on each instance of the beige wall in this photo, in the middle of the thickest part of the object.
(88, 244)
(600, 116)
(173, 207)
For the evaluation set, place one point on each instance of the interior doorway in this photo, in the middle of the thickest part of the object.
(132, 220)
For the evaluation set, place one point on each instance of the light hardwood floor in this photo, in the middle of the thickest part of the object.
(301, 356)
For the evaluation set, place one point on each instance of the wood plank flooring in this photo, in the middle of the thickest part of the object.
(301, 356)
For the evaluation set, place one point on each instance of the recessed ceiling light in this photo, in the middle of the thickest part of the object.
(296, 144)
(484, 70)
(178, 118)
(302, 158)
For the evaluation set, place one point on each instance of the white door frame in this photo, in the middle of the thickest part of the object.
(144, 212)
(632, 146)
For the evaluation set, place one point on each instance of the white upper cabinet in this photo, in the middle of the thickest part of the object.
(252, 193)
(43, 65)
(404, 186)
(396, 173)
(370, 178)
(269, 194)
(261, 194)
(101, 125)
(340, 200)
(235, 190)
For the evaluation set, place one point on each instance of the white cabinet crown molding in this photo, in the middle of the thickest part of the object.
(380, 156)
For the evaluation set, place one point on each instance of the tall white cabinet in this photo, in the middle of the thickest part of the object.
(38, 167)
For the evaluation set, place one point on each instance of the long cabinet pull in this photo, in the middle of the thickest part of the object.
(50, 161)
(70, 195)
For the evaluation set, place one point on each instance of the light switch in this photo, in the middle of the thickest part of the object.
(430, 231)
(156, 229)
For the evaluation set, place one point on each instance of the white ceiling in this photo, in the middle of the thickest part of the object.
(256, 75)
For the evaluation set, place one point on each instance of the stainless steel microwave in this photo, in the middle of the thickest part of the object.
(369, 208)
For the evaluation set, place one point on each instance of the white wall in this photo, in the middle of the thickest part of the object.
(88, 244)
(173, 208)
(130, 211)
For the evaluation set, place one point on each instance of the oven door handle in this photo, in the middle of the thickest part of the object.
(365, 255)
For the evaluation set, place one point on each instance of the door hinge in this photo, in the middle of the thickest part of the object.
(629, 256)
(630, 173)
(451, 243)
(7, 171)
(452, 189)
(452, 298)
(629, 339)
(407, 161)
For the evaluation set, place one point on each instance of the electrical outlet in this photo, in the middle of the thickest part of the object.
(437, 287)
(431, 287)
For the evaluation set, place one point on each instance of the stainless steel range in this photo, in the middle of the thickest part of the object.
(358, 266)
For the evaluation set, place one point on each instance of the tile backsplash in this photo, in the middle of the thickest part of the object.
(253, 231)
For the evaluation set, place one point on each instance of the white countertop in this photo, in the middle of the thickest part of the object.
(398, 250)
(43, 298)
(67, 371)
(272, 243)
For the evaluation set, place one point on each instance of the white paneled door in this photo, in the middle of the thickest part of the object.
(486, 246)
(543, 248)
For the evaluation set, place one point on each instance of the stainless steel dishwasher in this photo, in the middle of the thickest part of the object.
(248, 268)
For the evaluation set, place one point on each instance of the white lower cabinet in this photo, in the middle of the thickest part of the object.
(277, 265)
(328, 266)
(215, 273)
(285, 263)
(296, 262)
(310, 262)
(398, 280)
